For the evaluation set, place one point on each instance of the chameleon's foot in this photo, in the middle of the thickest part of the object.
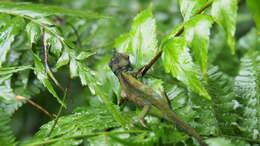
(141, 120)
(141, 116)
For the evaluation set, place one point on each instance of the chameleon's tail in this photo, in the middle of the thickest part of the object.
(185, 127)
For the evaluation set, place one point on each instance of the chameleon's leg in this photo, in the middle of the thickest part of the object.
(141, 116)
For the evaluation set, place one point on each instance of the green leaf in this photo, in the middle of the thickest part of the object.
(64, 59)
(39, 10)
(141, 41)
(84, 55)
(73, 68)
(178, 62)
(43, 77)
(254, 6)
(85, 121)
(247, 88)
(225, 13)
(6, 134)
(7, 35)
(190, 7)
(33, 32)
(11, 70)
(54, 43)
(196, 33)
(86, 77)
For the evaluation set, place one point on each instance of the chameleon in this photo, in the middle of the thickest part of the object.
(143, 96)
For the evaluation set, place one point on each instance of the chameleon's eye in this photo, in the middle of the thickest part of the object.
(115, 60)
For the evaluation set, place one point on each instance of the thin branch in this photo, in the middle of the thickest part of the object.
(47, 68)
(46, 51)
(60, 109)
(141, 72)
(58, 115)
(50, 141)
(22, 98)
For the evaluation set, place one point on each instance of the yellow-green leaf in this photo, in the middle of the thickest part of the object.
(178, 62)
(190, 7)
(225, 13)
(196, 33)
(140, 42)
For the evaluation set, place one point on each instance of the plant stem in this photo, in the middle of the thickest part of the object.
(58, 115)
(22, 98)
(65, 93)
(84, 135)
(47, 68)
(145, 68)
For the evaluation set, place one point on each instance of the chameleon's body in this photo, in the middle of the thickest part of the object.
(141, 95)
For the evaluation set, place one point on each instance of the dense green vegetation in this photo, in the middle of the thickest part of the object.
(56, 87)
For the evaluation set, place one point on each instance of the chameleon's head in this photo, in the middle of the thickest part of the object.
(120, 62)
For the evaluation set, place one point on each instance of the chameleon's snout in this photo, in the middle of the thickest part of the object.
(120, 62)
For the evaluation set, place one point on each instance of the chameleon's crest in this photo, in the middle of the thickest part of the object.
(120, 62)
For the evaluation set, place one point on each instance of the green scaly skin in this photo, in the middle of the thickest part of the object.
(141, 95)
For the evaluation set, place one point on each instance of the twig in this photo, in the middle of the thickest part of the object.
(47, 68)
(50, 141)
(141, 72)
(60, 109)
(22, 98)
(46, 50)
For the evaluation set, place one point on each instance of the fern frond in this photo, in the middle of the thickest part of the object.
(223, 103)
(247, 87)
(196, 111)
(6, 135)
(208, 117)
(84, 121)
(7, 96)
